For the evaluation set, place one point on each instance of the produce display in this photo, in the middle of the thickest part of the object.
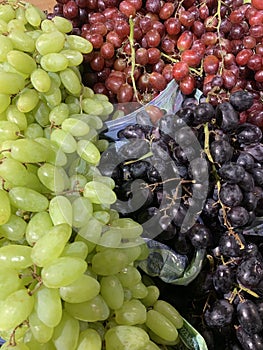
(127, 243)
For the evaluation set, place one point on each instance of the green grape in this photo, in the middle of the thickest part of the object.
(109, 261)
(19, 334)
(50, 42)
(128, 227)
(107, 109)
(41, 332)
(47, 26)
(60, 210)
(13, 171)
(48, 306)
(102, 145)
(132, 251)
(8, 130)
(7, 12)
(40, 80)
(16, 24)
(91, 310)
(110, 238)
(9, 282)
(129, 276)
(91, 231)
(76, 127)
(58, 114)
(74, 57)
(4, 102)
(92, 106)
(88, 151)
(35, 184)
(41, 114)
(66, 333)
(13, 115)
(33, 344)
(76, 249)
(89, 339)
(105, 180)
(103, 216)
(71, 81)
(50, 175)
(99, 193)
(83, 289)
(82, 211)
(53, 96)
(27, 199)
(5, 46)
(53, 62)
(14, 229)
(50, 245)
(21, 61)
(78, 43)
(112, 291)
(64, 140)
(92, 120)
(15, 256)
(55, 154)
(5, 207)
(27, 100)
(15, 309)
(55, 78)
(28, 151)
(20, 14)
(131, 312)
(126, 338)
(152, 296)
(37, 227)
(62, 24)
(139, 290)
(161, 325)
(170, 312)
(32, 15)
(63, 271)
(33, 131)
(22, 41)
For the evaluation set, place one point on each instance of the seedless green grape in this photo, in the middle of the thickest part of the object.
(54, 62)
(28, 151)
(21, 61)
(161, 326)
(66, 333)
(15, 256)
(60, 210)
(109, 261)
(40, 80)
(58, 114)
(92, 310)
(78, 43)
(83, 289)
(126, 338)
(9, 282)
(27, 199)
(41, 332)
(170, 312)
(5, 46)
(27, 100)
(8, 130)
(71, 81)
(76, 249)
(5, 100)
(51, 176)
(48, 306)
(38, 225)
(132, 312)
(76, 127)
(21, 40)
(89, 339)
(63, 271)
(15, 309)
(15, 116)
(112, 291)
(32, 15)
(14, 229)
(50, 245)
(82, 211)
(99, 193)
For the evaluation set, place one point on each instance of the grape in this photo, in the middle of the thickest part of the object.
(41, 332)
(161, 325)
(249, 317)
(131, 312)
(122, 335)
(66, 332)
(14, 229)
(43, 42)
(89, 338)
(58, 274)
(5, 207)
(48, 306)
(112, 291)
(50, 246)
(169, 311)
(15, 309)
(27, 199)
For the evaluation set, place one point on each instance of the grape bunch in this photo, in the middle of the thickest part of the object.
(139, 46)
(205, 197)
(68, 275)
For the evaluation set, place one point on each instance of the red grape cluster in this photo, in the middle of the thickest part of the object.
(141, 45)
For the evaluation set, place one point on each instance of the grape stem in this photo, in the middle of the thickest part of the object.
(131, 41)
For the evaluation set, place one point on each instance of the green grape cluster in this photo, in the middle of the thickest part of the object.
(68, 276)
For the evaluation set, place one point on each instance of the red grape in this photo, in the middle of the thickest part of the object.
(211, 64)
(187, 85)
(180, 70)
(185, 41)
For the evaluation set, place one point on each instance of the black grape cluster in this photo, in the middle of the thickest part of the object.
(195, 180)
